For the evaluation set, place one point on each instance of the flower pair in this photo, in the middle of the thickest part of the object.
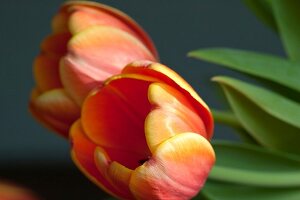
(141, 131)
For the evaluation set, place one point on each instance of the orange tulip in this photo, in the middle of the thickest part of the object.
(90, 42)
(144, 134)
(10, 191)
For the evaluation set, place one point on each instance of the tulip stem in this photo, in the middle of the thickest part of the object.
(227, 118)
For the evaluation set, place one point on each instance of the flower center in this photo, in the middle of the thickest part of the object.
(142, 161)
(114, 118)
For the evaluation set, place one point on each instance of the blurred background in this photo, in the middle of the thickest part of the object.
(38, 159)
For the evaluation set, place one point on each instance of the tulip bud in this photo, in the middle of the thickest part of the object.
(90, 42)
(144, 134)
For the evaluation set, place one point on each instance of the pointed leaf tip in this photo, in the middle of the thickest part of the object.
(268, 67)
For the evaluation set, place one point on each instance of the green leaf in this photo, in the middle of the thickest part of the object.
(228, 118)
(201, 196)
(264, 66)
(270, 118)
(263, 10)
(272, 103)
(214, 190)
(287, 15)
(252, 165)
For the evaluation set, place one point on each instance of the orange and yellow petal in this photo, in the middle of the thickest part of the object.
(96, 54)
(82, 17)
(117, 174)
(172, 114)
(83, 155)
(55, 110)
(46, 65)
(59, 23)
(87, 14)
(104, 40)
(168, 76)
(46, 72)
(79, 78)
(113, 117)
(55, 44)
(177, 170)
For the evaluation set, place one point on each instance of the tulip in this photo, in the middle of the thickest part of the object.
(10, 191)
(90, 42)
(144, 134)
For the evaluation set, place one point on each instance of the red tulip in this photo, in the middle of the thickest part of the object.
(144, 134)
(90, 42)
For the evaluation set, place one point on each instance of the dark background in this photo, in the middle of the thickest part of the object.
(38, 159)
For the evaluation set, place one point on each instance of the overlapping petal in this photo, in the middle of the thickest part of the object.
(90, 42)
(96, 54)
(171, 78)
(149, 141)
(83, 155)
(76, 16)
(49, 106)
(45, 75)
(172, 114)
(177, 170)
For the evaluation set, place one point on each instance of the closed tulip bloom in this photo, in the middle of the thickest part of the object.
(90, 42)
(144, 134)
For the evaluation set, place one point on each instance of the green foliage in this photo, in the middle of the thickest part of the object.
(270, 118)
(255, 166)
(265, 114)
(215, 190)
(287, 17)
(251, 172)
(263, 10)
(229, 118)
(283, 17)
(268, 67)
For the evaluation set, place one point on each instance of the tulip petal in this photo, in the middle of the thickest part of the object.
(83, 155)
(56, 44)
(56, 109)
(86, 14)
(83, 17)
(11, 191)
(79, 78)
(177, 170)
(172, 115)
(105, 41)
(168, 76)
(59, 22)
(96, 54)
(117, 174)
(55, 102)
(113, 117)
(51, 123)
(46, 72)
